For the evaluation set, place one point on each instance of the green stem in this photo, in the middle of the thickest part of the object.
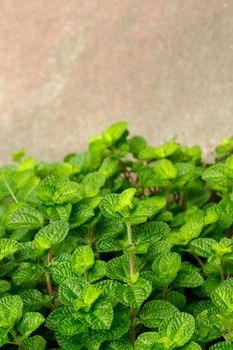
(131, 269)
(47, 275)
(11, 192)
(222, 271)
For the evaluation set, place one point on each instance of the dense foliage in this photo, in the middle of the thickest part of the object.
(124, 246)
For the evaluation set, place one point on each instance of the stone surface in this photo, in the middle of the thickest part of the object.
(68, 68)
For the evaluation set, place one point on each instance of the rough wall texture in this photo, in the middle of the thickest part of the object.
(68, 68)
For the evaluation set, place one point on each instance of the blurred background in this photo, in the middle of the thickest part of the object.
(69, 68)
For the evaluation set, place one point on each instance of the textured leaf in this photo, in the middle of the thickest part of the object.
(29, 323)
(216, 177)
(188, 277)
(58, 190)
(109, 289)
(11, 307)
(26, 217)
(4, 286)
(222, 297)
(107, 206)
(191, 346)
(119, 327)
(82, 259)
(150, 232)
(61, 320)
(222, 346)
(8, 246)
(136, 294)
(26, 273)
(156, 311)
(147, 341)
(75, 342)
(165, 268)
(97, 271)
(62, 271)
(179, 328)
(202, 247)
(32, 299)
(70, 290)
(118, 268)
(36, 343)
(51, 234)
(125, 199)
(101, 316)
(80, 213)
(59, 212)
(146, 208)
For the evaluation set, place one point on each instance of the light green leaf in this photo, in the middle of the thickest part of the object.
(71, 290)
(188, 277)
(216, 177)
(222, 346)
(165, 268)
(33, 299)
(147, 341)
(75, 342)
(164, 169)
(149, 153)
(26, 217)
(51, 234)
(202, 246)
(29, 323)
(109, 167)
(107, 207)
(97, 271)
(62, 320)
(114, 132)
(101, 316)
(11, 309)
(119, 327)
(222, 297)
(191, 346)
(58, 190)
(59, 212)
(136, 294)
(146, 208)
(178, 328)
(118, 268)
(156, 311)
(125, 199)
(92, 184)
(26, 273)
(8, 246)
(81, 212)
(82, 259)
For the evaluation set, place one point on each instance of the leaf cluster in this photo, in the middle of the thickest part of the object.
(124, 246)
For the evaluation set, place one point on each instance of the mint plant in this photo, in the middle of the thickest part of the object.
(123, 246)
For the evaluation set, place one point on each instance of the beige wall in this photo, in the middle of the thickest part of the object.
(68, 68)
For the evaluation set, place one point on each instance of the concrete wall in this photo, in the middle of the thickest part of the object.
(68, 68)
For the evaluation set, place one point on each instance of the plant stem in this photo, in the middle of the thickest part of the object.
(131, 269)
(11, 192)
(222, 271)
(47, 275)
